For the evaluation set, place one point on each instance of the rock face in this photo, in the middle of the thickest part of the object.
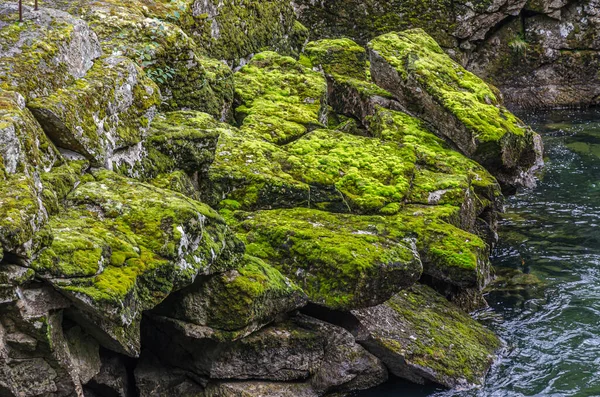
(181, 184)
(539, 53)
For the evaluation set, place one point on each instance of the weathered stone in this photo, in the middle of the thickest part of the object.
(235, 303)
(259, 389)
(84, 353)
(422, 337)
(301, 348)
(112, 379)
(48, 51)
(154, 379)
(123, 246)
(462, 107)
(108, 109)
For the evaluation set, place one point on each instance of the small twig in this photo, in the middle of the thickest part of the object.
(20, 10)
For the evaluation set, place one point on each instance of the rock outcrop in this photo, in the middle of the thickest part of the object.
(186, 193)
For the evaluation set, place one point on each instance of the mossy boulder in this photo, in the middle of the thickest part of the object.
(461, 107)
(232, 30)
(151, 37)
(48, 51)
(121, 247)
(422, 337)
(107, 110)
(339, 263)
(300, 349)
(25, 154)
(278, 98)
(235, 303)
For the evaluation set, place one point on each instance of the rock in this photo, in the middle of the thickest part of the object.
(335, 259)
(237, 302)
(107, 110)
(151, 38)
(84, 352)
(350, 91)
(422, 337)
(25, 153)
(259, 389)
(234, 31)
(153, 379)
(122, 246)
(279, 99)
(460, 106)
(49, 51)
(112, 379)
(301, 348)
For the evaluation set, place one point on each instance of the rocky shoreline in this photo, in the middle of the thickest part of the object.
(205, 198)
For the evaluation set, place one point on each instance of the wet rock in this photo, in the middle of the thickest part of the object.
(422, 337)
(461, 107)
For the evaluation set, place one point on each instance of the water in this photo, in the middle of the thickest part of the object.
(552, 331)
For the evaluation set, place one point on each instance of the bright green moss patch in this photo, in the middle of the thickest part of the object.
(474, 103)
(419, 329)
(339, 263)
(338, 57)
(280, 100)
(121, 239)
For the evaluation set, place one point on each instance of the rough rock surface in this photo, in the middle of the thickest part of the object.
(299, 349)
(422, 337)
(460, 106)
(124, 129)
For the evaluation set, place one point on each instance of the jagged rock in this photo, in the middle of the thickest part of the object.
(122, 246)
(84, 353)
(235, 303)
(349, 89)
(112, 380)
(422, 337)
(50, 50)
(154, 379)
(461, 107)
(301, 348)
(107, 110)
(35, 358)
(279, 99)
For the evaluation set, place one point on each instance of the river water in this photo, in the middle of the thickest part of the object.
(552, 329)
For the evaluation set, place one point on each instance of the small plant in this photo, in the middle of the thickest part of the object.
(519, 45)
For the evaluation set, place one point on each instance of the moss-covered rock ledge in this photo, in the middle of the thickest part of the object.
(193, 202)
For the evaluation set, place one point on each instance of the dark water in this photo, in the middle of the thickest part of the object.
(552, 331)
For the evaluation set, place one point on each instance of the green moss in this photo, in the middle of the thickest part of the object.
(102, 112)
(120, 239)
(338, 57)
(455, 349)
(416, 55)
(280, 100)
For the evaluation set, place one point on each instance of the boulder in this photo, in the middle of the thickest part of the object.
(48, 51)
(112, 379)
(460, 106)
(107, 110)
(122, 246)
(279, 99)
(299, 349)
(423, 338)
(154, 379)
(235, 303)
